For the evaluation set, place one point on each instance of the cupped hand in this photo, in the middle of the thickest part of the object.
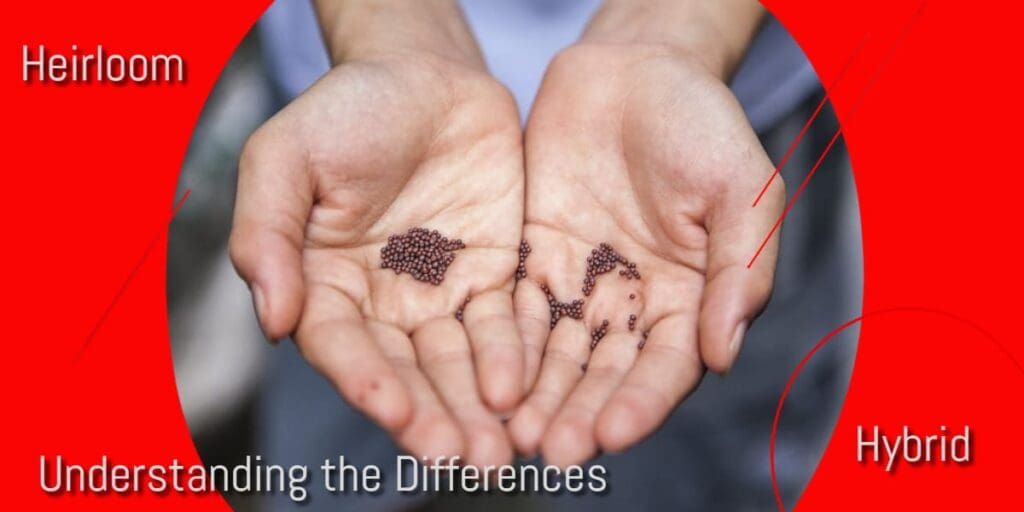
(374, 148)
(640, 147)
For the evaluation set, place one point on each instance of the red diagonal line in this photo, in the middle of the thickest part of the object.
(131, 275)
(796, 195)
(853, 110)
(810, 121)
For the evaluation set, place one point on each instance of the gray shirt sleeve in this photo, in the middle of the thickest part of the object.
(519, 37)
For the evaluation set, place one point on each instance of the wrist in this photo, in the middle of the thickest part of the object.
(373, 29)
(714, 34)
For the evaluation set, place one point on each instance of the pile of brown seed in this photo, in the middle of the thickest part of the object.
(424, 254)
(603, 260)
(632, 322)
(597, 334)
(558, 309)
(524, 251)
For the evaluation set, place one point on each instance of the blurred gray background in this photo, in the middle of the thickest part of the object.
(219, 352)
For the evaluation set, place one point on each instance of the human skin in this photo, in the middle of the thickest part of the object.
(636, 140)
(407, 129)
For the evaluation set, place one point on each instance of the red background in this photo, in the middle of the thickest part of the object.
(90, 178)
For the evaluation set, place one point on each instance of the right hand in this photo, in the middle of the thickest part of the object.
(376, 147)
(640, 146)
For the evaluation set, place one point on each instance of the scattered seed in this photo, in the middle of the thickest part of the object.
(524, 251)
(558, 309)
(462, 308)
(597, 334)
(423, 254)
(643, 340)
(602, 260)
(632, 322)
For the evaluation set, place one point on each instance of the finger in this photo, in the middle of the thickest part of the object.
(570, 438)
(343, 351)
(666, 371)
(735, 294)
(432, 431)
(533, 318)
(272, 205)
(497, 349)
(444, 354)
(561, 368)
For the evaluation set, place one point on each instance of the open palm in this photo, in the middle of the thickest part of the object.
(372, 150)
(656, 159)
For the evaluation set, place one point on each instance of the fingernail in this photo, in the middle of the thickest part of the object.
(259, 303)
(737, 338)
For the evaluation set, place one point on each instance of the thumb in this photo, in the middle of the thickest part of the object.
(733, 293)
(272, 205)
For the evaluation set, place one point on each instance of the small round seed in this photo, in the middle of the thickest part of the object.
(597, 334)
(524, 252)
(643, 339)
(459, 312)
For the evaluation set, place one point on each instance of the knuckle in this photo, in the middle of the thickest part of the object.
(580, 54)
(777, 192)
(647, 402)
(684, 356)
(257, 147)
(250, 150)
(239, 251)
(610, 371)
(560, 355)
(486, 321)
(565, 56)
(445, 356)
(763, 288)
(781, 188)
